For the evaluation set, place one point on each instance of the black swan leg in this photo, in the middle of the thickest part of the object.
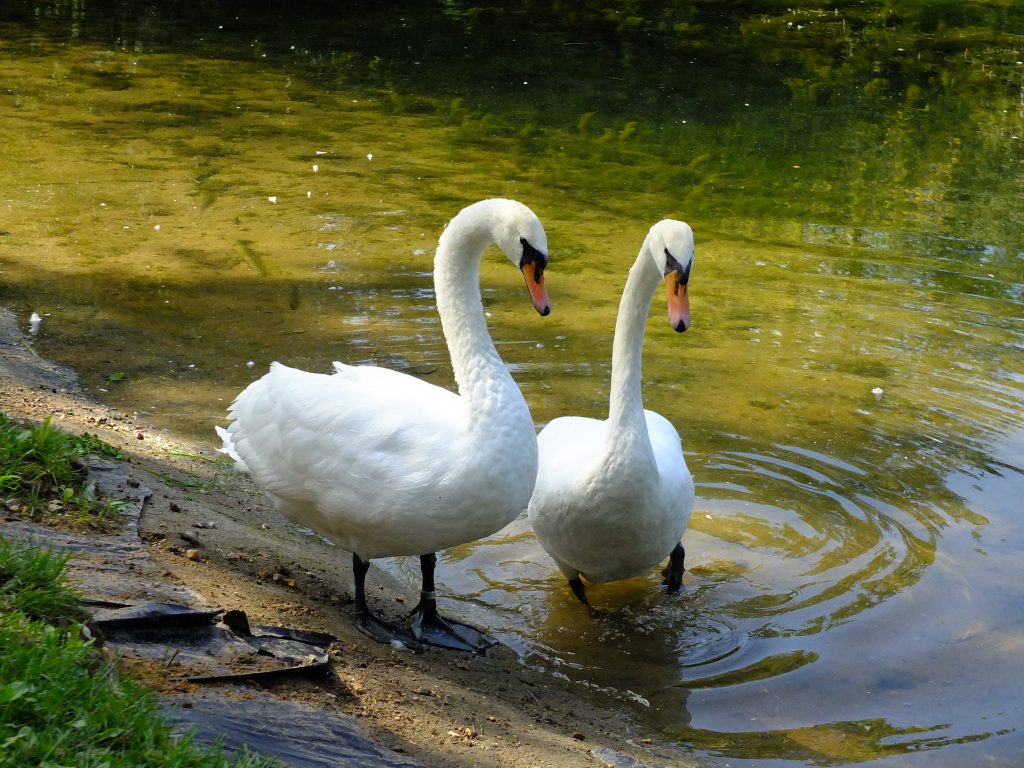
(673, 573)
(578, 589)
(380, 630)
(428, 626)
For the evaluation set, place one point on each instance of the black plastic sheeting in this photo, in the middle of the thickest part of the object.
(215, 651)
(294, 734)
(151, 616)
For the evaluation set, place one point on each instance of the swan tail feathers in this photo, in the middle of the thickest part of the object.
(228, 447)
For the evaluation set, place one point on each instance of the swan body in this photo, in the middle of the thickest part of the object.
(613, 497)
(385, 464)
(379, 462)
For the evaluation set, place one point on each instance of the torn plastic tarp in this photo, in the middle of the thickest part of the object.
(229, 650)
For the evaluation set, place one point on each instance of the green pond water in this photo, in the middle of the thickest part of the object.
(187, 194)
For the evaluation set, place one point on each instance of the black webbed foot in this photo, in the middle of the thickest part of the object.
(428, 626)
(386, 632)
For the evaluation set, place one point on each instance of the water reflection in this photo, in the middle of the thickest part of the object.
(839, 743)
(193, 193)
(762, 570)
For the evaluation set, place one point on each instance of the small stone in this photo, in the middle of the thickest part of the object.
(469, 732)
(140, 436)
(281, 579)
(174, 507)
(578, 736)
(190, 538)
(192, 554)
(424, 691)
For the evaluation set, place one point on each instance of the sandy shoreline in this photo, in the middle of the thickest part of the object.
(440, 709)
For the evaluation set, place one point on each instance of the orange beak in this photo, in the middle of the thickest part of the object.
(678, 302)
(533, 271)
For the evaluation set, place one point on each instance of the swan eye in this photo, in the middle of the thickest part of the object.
(673, 265)
(532, 256)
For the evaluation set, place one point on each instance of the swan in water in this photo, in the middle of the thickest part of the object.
(384, 464)
(614, 497)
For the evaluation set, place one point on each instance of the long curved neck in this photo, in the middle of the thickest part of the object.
(626, 423)
(481, 376)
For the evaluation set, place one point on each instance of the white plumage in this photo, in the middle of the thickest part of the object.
(385, 464)
(613, 497)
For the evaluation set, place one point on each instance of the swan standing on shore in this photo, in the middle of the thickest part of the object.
(385, 464)
(614, 497)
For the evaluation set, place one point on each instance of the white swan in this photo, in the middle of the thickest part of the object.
(614, 497)
(385, 464)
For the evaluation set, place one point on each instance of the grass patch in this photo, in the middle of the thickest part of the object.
(43, 473)
(61, 702)
(33, 583)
